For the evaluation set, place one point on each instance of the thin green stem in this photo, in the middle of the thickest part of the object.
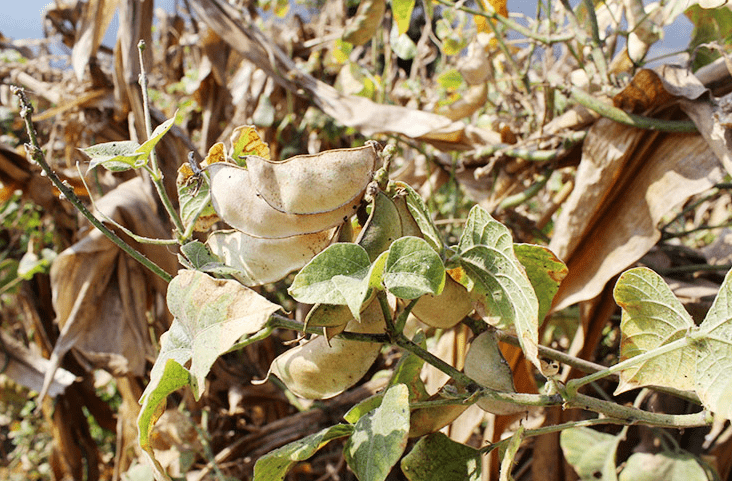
(633, 120)
(67, 192)
(106, 218)
(386, 311)
(521, 197)
(155, 173)
(401, 319)
(553, 429)
(575, 384)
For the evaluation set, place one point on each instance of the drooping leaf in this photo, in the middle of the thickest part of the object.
(652, 317)
(545, 272)
(338, 275)
(709, 25)
(590, 452)
(714, 358)
(497, 280)
(664, 466)
(413, 269)
(210, 317)
(274, 465)
(237, 202)
(313, 184)
(157, 134)
(402, 12)
(322, 369)
(262, 261)
(379, 437)
(116, 156)
(436, 456)
(170, 377)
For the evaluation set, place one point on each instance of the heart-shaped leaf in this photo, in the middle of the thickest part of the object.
(652, 317)
(116, 156)
(413, 269)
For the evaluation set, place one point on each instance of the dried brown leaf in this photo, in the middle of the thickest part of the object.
(627, 181)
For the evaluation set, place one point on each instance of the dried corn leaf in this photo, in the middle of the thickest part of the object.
(101, 295)
(627, 181)
(94, 22)
(28, 368)
(360, 113)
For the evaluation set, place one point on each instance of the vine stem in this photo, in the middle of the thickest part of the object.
(633, 120)
(575, 384)
(155, 173)
(34, 149)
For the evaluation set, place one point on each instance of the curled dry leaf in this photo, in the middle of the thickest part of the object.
(363, 25)
(262, 260)
(314, 184)
(485, 364)
(447, 309)
(237, 202)
(316, 370)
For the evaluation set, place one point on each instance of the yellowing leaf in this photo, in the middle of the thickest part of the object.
(498, 5)
(246, 141)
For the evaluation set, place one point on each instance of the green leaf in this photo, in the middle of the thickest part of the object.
(591, 453)
(363, 407)
(116, 156)
(31, 264)
(379, 437)
(147, 147)
(402, 45)
(436, 456)
(652, 317)
(510, 454)
(169, 377)
(451, 79)
(545, 272)
(402, 12)
(413, 269)
(664, 466)
(497, 280)
(274, 465)
(714, 359)
(338, 275)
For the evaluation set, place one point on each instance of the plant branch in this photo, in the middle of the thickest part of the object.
(633, 120)
(36, 154)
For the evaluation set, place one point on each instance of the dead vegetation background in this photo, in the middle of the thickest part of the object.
(498, 112)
